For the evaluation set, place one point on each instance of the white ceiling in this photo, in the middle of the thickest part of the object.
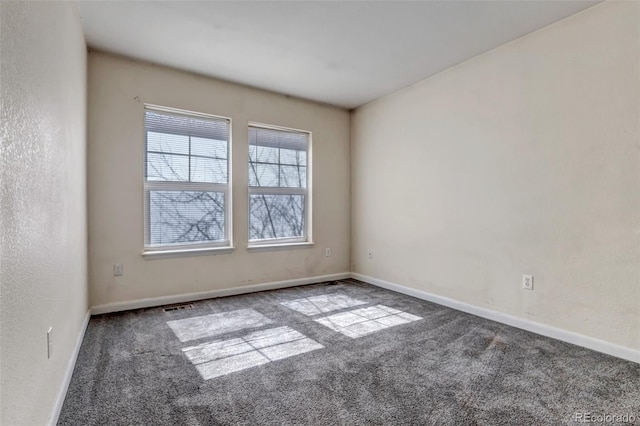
(344, 53)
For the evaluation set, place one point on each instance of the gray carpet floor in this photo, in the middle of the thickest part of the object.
(336, 353)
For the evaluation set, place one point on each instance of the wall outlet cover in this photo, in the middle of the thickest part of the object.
(118, 270)
(527, 282)
(49, 342)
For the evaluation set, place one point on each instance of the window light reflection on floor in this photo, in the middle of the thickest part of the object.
(321, 304)
(363, 321)
(214, 359)
(213, 325)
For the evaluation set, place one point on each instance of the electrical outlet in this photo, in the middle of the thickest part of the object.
(527, 282)
(327, 252)
(49, 342)
(118, 270)
(370, 254)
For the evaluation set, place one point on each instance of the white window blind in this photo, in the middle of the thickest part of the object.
(278, 185)
(186, 179)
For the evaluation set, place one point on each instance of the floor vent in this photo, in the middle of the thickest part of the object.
(349, 281)
(172, 308)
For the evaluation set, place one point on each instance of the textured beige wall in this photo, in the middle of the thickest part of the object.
(118, 90)
(522, 160)
(43, 232)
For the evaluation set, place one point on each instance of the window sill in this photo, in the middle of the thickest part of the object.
(282, 246)
(203, 251)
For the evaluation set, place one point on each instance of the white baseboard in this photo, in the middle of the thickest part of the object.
(534, 327)
(190, 297)
(62, 393)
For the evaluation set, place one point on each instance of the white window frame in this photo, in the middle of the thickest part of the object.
(306, 239)
(217, 246)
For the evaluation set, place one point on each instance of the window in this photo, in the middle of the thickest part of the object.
(279, 175)
(186, 184)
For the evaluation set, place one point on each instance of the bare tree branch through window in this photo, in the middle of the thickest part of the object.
(277, 184)
(186, 179)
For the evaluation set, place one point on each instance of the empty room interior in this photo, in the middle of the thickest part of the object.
(319, 212)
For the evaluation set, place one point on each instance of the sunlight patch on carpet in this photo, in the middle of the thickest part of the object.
(322, 304)
(213, 325)
(215, 359)
(363, 321)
